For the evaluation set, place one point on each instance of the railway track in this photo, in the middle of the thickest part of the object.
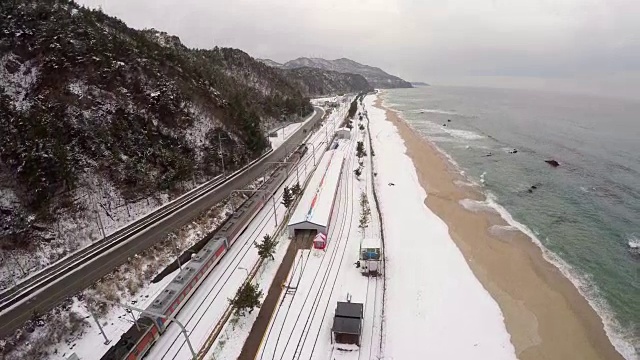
(46, 288)
(336, 249)
(201, 311)
(350, 195)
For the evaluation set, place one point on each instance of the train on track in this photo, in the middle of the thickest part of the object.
(297, 155)
(137, 341)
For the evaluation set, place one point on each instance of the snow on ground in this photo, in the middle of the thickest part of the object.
(208, 304)
(17, 82)
(283, 134)
(236, 330)
(197, 132)
(332, 99)
(231, 340)
(435, 306)
(301, 326)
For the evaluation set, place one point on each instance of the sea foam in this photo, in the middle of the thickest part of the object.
(436, 111)
(621, 339)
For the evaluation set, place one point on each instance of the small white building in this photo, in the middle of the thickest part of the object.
(370, 256)
(343, 133)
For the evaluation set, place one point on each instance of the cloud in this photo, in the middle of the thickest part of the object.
(550, 40)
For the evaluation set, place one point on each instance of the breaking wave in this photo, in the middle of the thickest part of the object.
(436, 111)
(463, 134)
(475, 205)
(621, 339)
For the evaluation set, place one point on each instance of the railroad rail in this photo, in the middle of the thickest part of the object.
(48, 287)
(136, 343)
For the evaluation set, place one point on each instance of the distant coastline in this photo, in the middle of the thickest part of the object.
(419, 83)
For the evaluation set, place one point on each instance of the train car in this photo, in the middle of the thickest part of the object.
(299, 153)
(136, 342)
(177, 293)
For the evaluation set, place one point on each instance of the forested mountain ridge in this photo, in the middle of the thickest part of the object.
(88, 103)
(376, 77)
(318, 82)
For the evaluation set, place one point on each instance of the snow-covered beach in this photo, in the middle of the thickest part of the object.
(544, 313)
(435, 307)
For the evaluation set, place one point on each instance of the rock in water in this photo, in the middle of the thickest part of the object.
(552, 162)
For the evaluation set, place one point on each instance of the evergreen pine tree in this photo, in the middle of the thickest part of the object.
(247, 298)
(267, 247)
(365, 212)
(295, 189)
(287, 197)
(360, 152)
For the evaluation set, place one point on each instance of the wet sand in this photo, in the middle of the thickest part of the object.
(545, 314)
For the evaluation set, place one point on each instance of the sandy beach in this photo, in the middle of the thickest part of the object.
(545, 314)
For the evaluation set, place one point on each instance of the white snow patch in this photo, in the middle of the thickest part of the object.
(17, 85)
(77, 88)
(283, 133)
(302, 325)
(8, 198)
(203, 123)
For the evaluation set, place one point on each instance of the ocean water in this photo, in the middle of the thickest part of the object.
(586, 212)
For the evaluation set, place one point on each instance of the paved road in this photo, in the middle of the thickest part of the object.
(85, 275)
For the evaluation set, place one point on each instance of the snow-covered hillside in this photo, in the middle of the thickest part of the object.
(375, 76)
(102, 123)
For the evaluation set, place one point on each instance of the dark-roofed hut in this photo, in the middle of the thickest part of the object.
(347, 323)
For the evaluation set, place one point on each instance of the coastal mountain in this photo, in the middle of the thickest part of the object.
(315, 81)
(270, 63)
(375, 76)
(318, 82)
(95, 114)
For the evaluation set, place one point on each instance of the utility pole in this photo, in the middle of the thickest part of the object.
(106, 340)
(133, 317)
(172, 238)
(178, 258)
(326, 134)
(243, 268)
(20, 266)
(95, 208)
(10, 272)
(314, 153)
(220, 153)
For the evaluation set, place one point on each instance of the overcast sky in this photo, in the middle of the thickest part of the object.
(572, 45)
